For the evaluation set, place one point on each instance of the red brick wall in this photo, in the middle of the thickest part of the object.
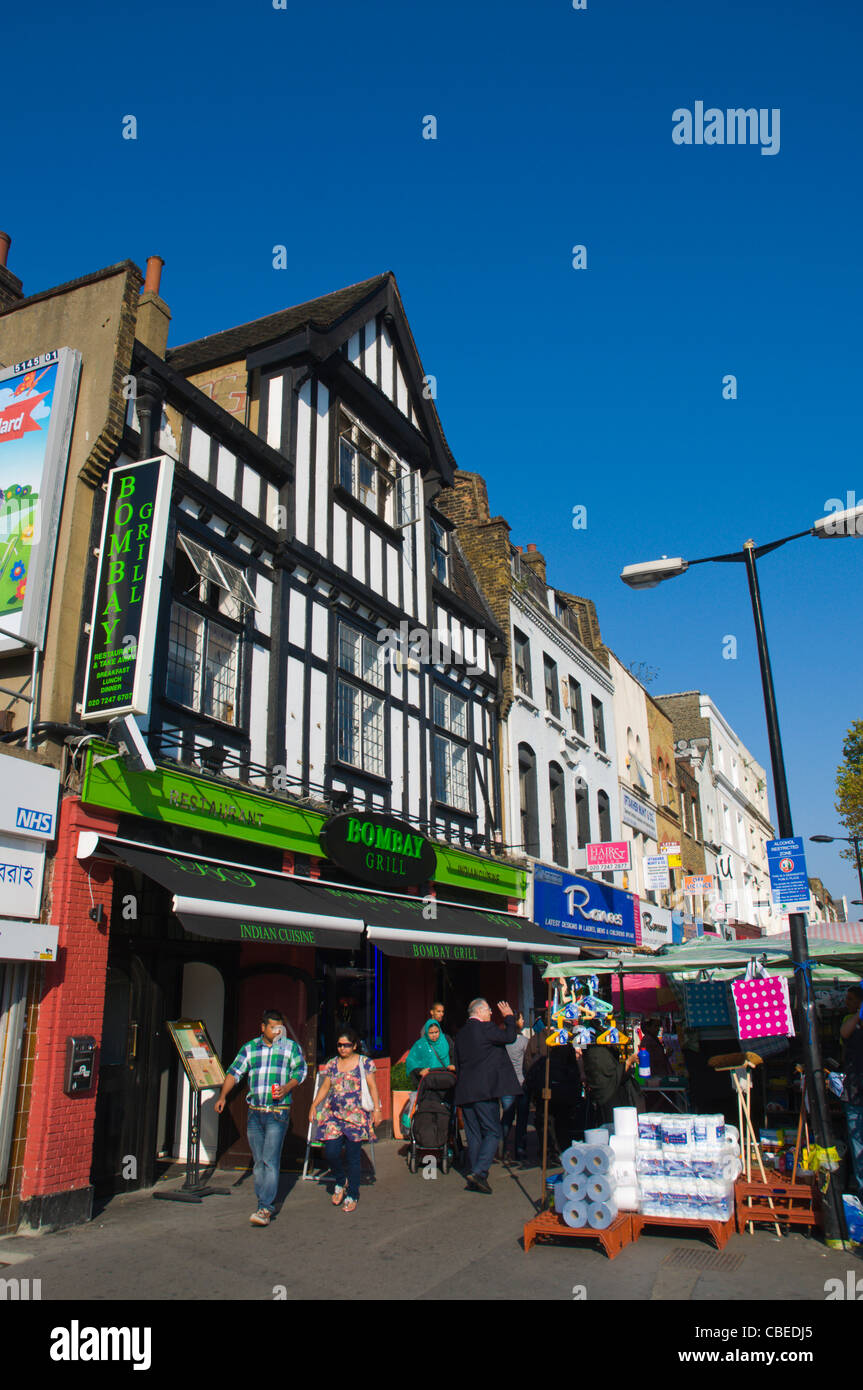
(58, 1152)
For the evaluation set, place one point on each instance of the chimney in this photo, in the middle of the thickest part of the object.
(536, 560)
(154, 316)
(466, 503)
(11, 289)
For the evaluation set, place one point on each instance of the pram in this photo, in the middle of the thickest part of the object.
(432, 1127)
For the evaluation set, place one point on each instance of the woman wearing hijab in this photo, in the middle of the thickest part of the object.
(430, 1051)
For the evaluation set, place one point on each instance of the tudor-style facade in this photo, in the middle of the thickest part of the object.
(373, 651)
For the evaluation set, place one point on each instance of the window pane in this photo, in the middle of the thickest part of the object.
(220, 674)
(346, 465)
(366, 487)
(185, 642)
(459, 787)
(458, 716)
(373, 735)
(373, 665)
(440, 707)
(441, 769)
(349, 649)
(348, 723)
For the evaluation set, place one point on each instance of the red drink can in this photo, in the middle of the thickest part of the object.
(275, 1097)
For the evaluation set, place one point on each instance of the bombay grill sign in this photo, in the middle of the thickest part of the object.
(379, 849)
(128, 585)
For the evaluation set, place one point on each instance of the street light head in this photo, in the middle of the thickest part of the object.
(652, 572)
(846, 523)
(823, 839)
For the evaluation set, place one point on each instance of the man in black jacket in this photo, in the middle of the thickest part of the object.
(485, 1074)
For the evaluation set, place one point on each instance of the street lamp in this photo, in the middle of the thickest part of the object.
(854, 840)
(647, 576)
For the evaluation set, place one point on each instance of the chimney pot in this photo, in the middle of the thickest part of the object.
(154, 275)
(531, 546)
(5, 243)
(518, 548)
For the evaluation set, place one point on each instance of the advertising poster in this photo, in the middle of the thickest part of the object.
(570, 905)
(197, 1053)
(37, 407)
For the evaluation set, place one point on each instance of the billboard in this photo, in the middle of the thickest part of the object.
(128, 585)
(610, 854)
(37, 408)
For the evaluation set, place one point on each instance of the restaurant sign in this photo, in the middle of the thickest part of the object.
(379, 849)
(128, 585)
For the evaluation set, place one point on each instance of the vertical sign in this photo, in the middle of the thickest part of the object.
(128, 585)
(37, 407)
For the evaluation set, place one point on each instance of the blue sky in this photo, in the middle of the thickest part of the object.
(600, 387)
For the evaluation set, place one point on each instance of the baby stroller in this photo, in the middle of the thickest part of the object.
(432, 1128)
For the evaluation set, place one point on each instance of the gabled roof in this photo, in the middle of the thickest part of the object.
(324, 314)
(315, 331)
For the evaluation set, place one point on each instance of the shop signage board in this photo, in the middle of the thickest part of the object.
(612, 854)
(379, 849)
(22, 866)
(570, 905)
(221, 808)
(699, 884)
(789, 882)
(718, 911)
(37, 408)
(671, 850)
(128, 585)
(656, 926)
(28, 798)
(635, 813)
(28, 940)
(656, 875)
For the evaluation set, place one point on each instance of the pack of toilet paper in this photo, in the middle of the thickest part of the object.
(686, 1166)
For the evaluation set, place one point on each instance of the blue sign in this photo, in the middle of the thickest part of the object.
(40, 821)
(574, 906)
(786, 864)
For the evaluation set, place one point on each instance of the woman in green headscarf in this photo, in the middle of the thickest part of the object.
(430, 1050)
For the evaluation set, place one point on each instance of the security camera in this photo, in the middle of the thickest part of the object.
(129, 739)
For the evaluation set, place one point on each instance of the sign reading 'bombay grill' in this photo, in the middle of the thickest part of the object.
(125, 610)
(379, 849)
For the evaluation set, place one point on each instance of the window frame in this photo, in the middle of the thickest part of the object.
(446, 737)
(370, 759)
(550, 673)
(521, 647)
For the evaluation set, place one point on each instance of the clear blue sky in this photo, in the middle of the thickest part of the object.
(600, 387)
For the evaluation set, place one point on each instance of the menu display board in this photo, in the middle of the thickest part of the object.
(197, 1053)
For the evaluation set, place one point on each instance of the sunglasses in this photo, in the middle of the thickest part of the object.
(344, 1044)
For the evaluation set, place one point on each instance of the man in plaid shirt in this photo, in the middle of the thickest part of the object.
(275, 1066)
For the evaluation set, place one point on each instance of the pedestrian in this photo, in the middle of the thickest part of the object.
(353, 1109)
(851, 1032)
(514, 1109)
(436, 1013)
(430, 1051)
(275, 1067)
(565, 1082)
(485, 1074)
(609, 1083)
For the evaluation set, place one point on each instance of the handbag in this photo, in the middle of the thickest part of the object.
(762, 1004)
(365, 1094)
(707, 1004)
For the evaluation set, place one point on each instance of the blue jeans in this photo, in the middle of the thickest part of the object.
(854, 1121)
(266, 1135)
(482, 1125)
(515, 1108)
(352, 1161)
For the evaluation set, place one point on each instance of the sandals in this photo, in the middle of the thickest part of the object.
(350, 1204)
(338, 1196)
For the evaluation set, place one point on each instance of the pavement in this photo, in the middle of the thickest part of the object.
(411, 1238)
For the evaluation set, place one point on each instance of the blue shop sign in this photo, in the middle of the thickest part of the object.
(571, 905)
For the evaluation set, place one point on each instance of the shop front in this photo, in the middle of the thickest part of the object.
(211, 901)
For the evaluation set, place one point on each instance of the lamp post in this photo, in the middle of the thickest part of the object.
(854, 840)
(647, 576)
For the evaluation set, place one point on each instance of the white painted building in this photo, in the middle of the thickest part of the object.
(635, 790)
(735, 812)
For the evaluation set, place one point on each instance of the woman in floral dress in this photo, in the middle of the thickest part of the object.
(345, 1125)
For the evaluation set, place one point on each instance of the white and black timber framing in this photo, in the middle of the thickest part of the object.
(268, 497)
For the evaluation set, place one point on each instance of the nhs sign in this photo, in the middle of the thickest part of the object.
(34, 822)
(29, 793)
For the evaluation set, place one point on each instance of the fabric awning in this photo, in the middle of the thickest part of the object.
(227, 900)
(216, 898)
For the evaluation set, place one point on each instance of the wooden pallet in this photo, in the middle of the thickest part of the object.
(550, 1223)
(720, 1232)
(794, 1203)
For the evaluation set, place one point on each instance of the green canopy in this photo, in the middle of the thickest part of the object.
(832, 960)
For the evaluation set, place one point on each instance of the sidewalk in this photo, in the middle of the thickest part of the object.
(410, 1238)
